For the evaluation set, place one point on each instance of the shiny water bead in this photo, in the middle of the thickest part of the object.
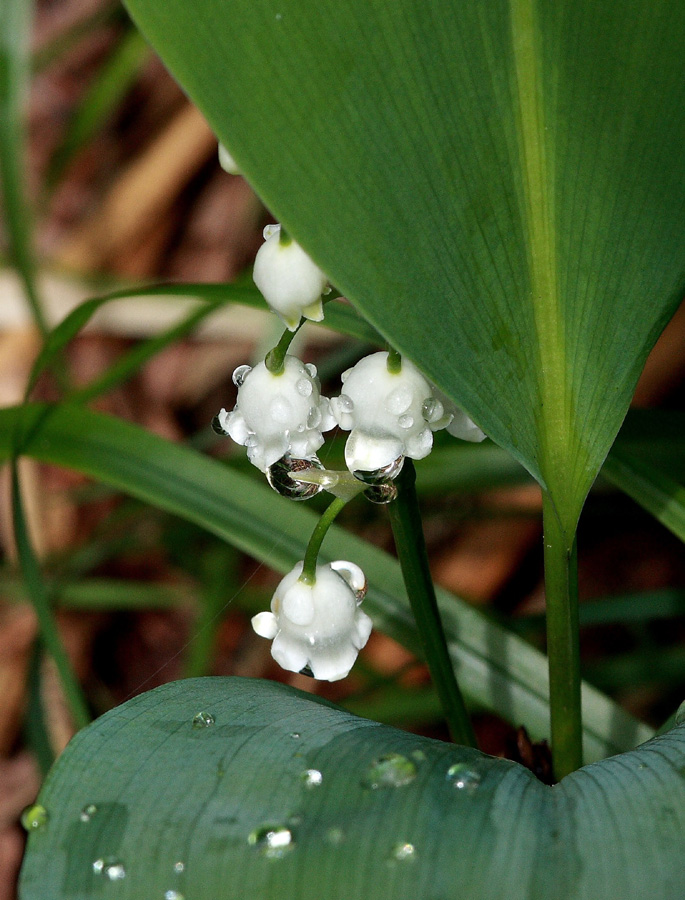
(391, 770)
(463, 778)
(279, 476)
(88, 812)
(110, 868)
(403, 851)
(240, 374)
(272, 841)
(173, 895)
(203, 720)
(345, 403)
(383, 475)
(217, 426)
(311, 778)
(381, 493)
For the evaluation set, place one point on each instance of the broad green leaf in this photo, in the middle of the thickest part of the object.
(499, 670)
(497, 185)
(278, 795)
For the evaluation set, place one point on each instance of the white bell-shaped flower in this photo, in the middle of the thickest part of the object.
(227, 163)
(317, 625)
(460, 425)
(278, 414)
(389, 415)
(291, 283)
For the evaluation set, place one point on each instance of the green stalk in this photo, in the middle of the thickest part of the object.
(275, 358)
(394, 363)
(38, 593)
(405, 518)
(561, 589)
(311, 555)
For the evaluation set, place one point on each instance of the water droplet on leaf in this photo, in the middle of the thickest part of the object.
(335, 836)
(34, 817)
(272, 841)
(173, 895)
(463, 778)
(179, 867)
(203, 720)
(295, 735)
(279, 477)
(88, 812)
(110, 868)
(403, 851)
(391, 770)
(312, 778)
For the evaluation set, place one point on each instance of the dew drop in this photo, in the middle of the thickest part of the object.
(680, 714)
(272, 841)
(345, 403)
(335, 836)
(431, 409)
(34, 817)
(380, 476)
(391, 770)
(295, 735)
(88, 812)
(314, 417)
(463, 778)
(399, 400)
(418, 755)
(203, 720)
(403, 851)
(110, 868)
(173, 895)
(179, 867)
(279, 477)
(311, 369)
(381, 493)
(405, 421)
(311, 778)
(217, 427)
(240, 375)
(304, 387)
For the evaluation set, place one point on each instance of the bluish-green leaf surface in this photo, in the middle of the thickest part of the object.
(496, 184)
(273, 794)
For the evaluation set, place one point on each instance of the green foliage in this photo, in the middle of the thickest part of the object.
(394, 816)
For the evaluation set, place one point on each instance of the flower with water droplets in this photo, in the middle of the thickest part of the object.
(317, 625)
(226, 161)
(291, 283)
(459, 424)
(389, 415)
(278, 414)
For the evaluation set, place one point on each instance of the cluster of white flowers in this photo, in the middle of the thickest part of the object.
(390, 411)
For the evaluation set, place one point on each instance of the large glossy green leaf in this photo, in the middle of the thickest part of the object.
(497, 184)
(496, 668)
(283, 797)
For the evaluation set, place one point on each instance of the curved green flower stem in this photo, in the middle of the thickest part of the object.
(311, 555)
(394, 361)
(561, 589)
(275, 358)
(405, 518)
(41, 604)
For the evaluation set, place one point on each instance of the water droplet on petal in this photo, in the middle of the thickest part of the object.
(173, 895)
(217, 427)
(272, 841)
(314, 417)
(403, 851)
(279, 477)
(34, 817)
(391, 770)
(240, 375)
(311, 369)
(680, 714)
(203, 720)
(311, 778)
(304, 387)
(88, 812)
(463, 778)
(430, 408)
(399, 400)
(405, 421)
(345, 403)
(110, 868)
(380, 476)
(381, 493)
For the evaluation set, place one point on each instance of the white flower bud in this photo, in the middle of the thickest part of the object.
(389, 415)
(291, 283)
(226, 161)
(460, 425)
(278, 414)
(317, 625)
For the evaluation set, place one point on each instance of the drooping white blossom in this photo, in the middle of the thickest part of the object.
(317, 625)
(291, 283)
(278, 414)
(460, 425)
(389, 415)
(227, 163)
